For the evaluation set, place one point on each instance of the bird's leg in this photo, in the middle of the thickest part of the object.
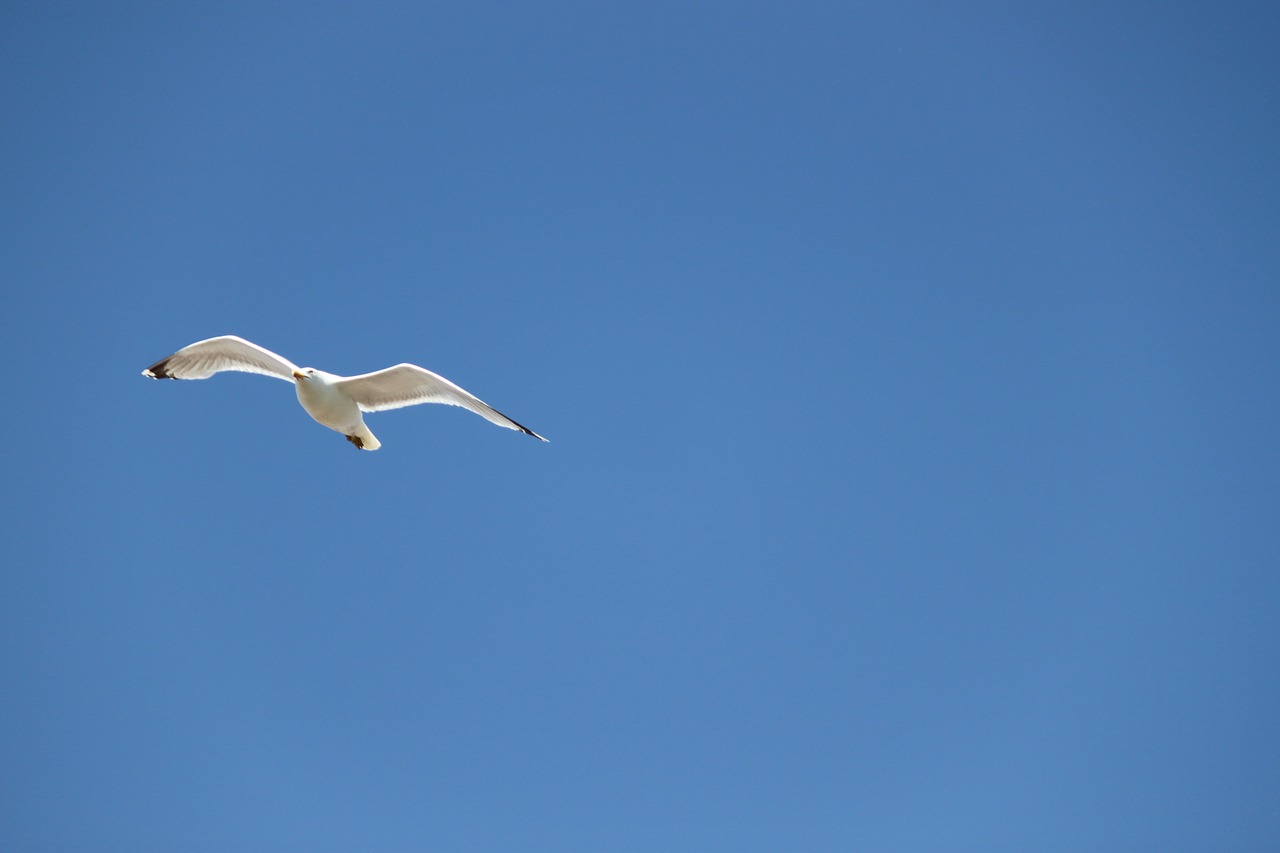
(356, 440)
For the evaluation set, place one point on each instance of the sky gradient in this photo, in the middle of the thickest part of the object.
(910, 375)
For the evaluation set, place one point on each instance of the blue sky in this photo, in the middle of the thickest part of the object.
(910, 372)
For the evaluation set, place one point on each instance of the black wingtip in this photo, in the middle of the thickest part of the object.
(159, 370)
(524, 429)
(527, 431)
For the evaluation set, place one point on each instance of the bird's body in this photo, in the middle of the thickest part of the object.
(320, 395)
(337, 402)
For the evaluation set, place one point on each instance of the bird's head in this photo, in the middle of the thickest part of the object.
(304, 373)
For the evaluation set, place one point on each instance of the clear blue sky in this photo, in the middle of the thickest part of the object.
(911, 375)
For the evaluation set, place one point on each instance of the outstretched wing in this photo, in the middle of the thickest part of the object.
(409, 385)
(205, 358)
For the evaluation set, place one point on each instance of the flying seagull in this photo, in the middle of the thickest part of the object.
(335, 401)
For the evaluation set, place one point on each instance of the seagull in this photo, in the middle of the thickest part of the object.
(334, 401)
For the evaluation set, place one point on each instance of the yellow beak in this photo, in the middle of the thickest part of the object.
(298, 375)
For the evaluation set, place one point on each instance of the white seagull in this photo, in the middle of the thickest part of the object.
(335, 401)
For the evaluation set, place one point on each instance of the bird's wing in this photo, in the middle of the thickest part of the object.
(409, 385)
(205, 358)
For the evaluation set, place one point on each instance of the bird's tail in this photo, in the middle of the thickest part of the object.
(364, 439)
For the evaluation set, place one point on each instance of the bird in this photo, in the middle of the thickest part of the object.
(338, 402)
